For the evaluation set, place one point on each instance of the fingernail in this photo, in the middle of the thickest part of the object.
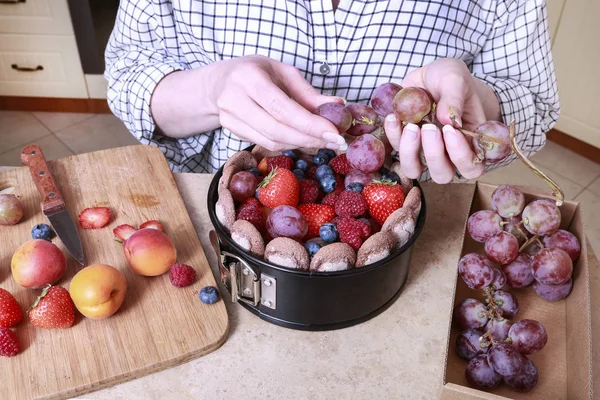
(458, 121)
(411, 131)
(343, 147)
(332, 146)
(450, 134)
(429, 127)
(391, 119)
(333, 137)
(342, 99)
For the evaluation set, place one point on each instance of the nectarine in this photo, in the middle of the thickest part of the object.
(149, 252)
(37, 263)
(98, 291)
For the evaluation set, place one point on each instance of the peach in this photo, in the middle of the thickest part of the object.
(149, 252)
(98, 291)
(37, 263)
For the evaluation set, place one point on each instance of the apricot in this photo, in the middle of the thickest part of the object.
(149, 252)
(37, 263)
(98, 291)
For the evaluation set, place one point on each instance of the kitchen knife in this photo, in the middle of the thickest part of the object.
(53, 204)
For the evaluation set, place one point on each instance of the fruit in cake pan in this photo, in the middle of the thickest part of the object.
(366, 153)
(11, 209)
(149, 252)
(37, 263)
(98, 291)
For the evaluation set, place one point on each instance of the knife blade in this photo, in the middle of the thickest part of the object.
(53, 204)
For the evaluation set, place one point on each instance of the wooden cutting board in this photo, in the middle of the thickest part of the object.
(158, 325)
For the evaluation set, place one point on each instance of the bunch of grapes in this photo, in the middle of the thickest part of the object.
(525, 241)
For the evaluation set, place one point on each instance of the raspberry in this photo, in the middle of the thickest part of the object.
(350, 204)
(9, 343)
(279, 162)
(309, 191)
(331, 199)
(182, 275)
(340, 164)
(353, 231)
(310, 174)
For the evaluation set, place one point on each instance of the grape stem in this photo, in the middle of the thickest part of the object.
(493, 314)
(479, 136)
(529, 242)
(556, 190)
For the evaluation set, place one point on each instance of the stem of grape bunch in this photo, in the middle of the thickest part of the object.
(494, 315)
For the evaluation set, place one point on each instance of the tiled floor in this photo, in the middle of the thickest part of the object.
(64, 134)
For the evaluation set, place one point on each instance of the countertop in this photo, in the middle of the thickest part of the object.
(398, 354)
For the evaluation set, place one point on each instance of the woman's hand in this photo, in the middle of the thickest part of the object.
(451, 85)
(259, 99)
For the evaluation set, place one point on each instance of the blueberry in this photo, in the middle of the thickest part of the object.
(299, 173)
(256, 193)
(323, 170)
(328, 183)
(301, 164)
(355, 187)
(314, 245)
(290, 153)
(327, 153)
(383, 171)
(328, 232)
(366, 221)
(209, 295)
(391, 176)
(42, 231)
(254, 171)
(320, 160)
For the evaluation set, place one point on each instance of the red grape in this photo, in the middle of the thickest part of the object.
(363, 178)
(382, 99)
(502, 247)
(364, 119)
(366, 153)
(483, 224)
(506, 302)
(242, 186)
(468, 344)
(513, 225)
(499, 279)
(505, 359)
(552, 266)
(337, 113)
(525, 380)
(476, 271)
(564, 240)
(553, 292)
(492, 151)
(286, 221)
(508, 201)
(499, 329)
(529, 336)
(471, 314)
(411, 105)
(518, 273)
(480, 374)
(11, 209)
(541, 217)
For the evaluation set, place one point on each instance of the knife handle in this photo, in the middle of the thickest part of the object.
(32, 157)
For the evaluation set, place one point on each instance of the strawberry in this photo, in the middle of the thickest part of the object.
(262, 166)
(9, 343)
(278, 188)
(122, 232)
(10, 311)
(251, 211)
(53, 309)
(340, 164)
(383, 198)
(352, 231)
(331, 199)
(309, 191)
(154, 224)
(94, 218)
(279, 162)
(350, 204)
(315, 215)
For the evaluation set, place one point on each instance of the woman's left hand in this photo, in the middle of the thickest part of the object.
(452, 85)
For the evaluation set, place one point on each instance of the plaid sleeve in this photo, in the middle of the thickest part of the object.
(136, 60)
(516, 62)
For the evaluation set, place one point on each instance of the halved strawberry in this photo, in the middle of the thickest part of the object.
(315, 215)
(122, 232)
(94, 217)
(154, 224)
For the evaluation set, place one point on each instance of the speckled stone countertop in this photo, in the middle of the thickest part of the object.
(396, 355)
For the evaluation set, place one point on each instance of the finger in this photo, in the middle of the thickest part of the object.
(302, 91)
(247, 133)
(460, 153)
(392, 131)
(410, 145)
(440, 167)
(276, 103)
